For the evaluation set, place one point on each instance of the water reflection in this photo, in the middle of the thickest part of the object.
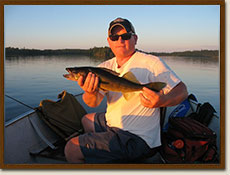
(32, 79)
(195, 60)
(68, 58)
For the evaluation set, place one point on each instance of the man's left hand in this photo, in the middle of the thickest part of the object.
(151, 99)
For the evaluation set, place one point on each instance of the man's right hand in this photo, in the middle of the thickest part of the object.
(90, 85)
(91, 97)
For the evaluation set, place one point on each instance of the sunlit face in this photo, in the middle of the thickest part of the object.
(122, 48)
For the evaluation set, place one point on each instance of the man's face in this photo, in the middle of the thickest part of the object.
(122, 48)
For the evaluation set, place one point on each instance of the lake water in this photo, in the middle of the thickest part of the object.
(32, 79)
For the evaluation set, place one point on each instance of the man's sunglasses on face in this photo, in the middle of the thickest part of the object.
(125, 36)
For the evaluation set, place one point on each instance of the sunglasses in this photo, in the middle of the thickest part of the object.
(125, 36)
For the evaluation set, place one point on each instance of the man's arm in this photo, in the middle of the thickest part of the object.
(153, 99)
(91, 97)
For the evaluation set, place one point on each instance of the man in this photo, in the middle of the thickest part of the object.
(128, 129)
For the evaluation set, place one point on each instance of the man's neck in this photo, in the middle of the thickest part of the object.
(122, 60)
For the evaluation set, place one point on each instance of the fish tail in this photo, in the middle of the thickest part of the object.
(155, 86)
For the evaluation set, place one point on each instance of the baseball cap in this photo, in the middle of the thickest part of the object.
(126, 24)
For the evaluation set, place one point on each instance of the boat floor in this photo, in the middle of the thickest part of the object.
(21, 139)
(22, 144)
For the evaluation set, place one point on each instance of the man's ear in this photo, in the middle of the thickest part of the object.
(135, 38)
(108, 40)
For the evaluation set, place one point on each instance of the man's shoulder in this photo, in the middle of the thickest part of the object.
(146, 58)
(108, 63)
(147, 55)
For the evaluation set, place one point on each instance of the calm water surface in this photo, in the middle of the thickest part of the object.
(32, 79)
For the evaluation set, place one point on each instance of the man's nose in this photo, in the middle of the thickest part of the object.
(120, 39)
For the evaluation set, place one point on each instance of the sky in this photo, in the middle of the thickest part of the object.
(160, 28)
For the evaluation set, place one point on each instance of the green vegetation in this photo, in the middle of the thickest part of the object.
(98, 52)
(101, 52)
(195, 53)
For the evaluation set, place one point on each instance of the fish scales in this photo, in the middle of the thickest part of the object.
(109, 80)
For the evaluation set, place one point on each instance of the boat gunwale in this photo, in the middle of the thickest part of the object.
(26, 114)
(19, 117)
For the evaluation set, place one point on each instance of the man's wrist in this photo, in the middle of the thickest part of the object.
(91, 93)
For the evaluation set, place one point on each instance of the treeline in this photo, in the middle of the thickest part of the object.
(101, 52)
(195, 53)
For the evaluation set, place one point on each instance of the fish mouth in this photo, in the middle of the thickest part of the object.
(70, 70)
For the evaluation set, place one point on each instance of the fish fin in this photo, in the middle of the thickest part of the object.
(131, 77)
(128, 95)
(102, 89)
(103, 82)
(110, 71)
(155, 86)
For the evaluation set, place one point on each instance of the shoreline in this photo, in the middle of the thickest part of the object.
(102, 52)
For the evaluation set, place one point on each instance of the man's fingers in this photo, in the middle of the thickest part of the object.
(91, 83)
(161, 92)
(96, 83)
(148, 91)
(87, 81)
(151, 98)
(80, 81)
(88, 78)
(144, 101)
(149, 94)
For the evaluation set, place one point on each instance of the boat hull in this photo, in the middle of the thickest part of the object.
(21, 138)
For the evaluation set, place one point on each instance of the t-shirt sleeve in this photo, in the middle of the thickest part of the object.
(164, 73)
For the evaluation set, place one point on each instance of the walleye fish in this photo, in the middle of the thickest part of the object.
(110, 81)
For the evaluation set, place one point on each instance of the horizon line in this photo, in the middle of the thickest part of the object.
(192, 50)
